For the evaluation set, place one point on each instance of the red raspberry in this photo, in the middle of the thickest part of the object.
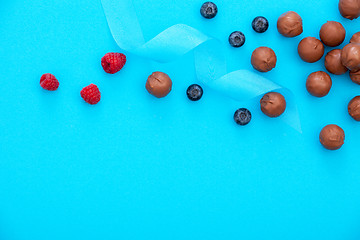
(91, 94)
(49, 82)
(113, 62)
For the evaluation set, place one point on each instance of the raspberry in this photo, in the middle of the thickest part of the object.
(91, 94)
(113, 62)
(49, 82)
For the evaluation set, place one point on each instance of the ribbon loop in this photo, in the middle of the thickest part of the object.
(210, 64)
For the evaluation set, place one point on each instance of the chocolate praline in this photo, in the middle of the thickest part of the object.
(355, 38)
(290, 24)
(355, 77)
(332, 33)
(311, 49)
(333, 62)
(332, 137)
(273, 104)
(318, 84)
(158, 84)
(354, 108)
(349, 9)
(350, 56)
(263, 59)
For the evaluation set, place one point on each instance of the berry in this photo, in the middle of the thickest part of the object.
(242, 116)
(260, 24)
(194, 92)
(237, 39)
(91, 94)
(208, 10)
(113, 62)
(49, 82)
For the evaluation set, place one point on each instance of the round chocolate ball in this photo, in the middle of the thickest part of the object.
(355, 38)
(290, 24)
(318, 84)
(332, 33)
(332, 137)
(349, 9)
(263, 59)
(354, 108)
(355, 77)
(158, 84)
(311, 49)
(273, 104)
(333, 62)
(350, 56)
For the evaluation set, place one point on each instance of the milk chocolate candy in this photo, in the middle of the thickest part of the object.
(311, 49)
(290, 24)
(318, 84)
(332, 33)
(354, 108)
(273, 104)
(158, 84)
(350, 56)
(332, 137)
(263, 59)
(333, 62)
(349, 9)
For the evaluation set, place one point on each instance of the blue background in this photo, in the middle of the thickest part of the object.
(137, 167)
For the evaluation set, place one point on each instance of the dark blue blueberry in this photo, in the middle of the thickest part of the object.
(194, 92)
(237, 39)
(260, 24)
(208, 10)
(242, 116)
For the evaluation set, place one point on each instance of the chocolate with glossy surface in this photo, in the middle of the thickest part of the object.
(355, 38)
(333, 62)
(263, 59)
(350, 56)
(332, 137)
(311, 49)
(290, 24)
(332, 33)
(354, 108)
(349, 9)
(318, 84)
(355, 77)
(273, 104)
(158, 84)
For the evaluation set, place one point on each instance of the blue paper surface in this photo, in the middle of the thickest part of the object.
(136, 167)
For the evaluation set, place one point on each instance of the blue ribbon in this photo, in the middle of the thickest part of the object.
(210, 64)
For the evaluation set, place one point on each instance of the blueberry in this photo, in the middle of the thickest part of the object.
(237, 39)
(260, 24)
(208, 10)
(194, 92)
(242, 116)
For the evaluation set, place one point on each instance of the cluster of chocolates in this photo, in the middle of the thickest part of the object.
(337, 61)
(310, 49)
